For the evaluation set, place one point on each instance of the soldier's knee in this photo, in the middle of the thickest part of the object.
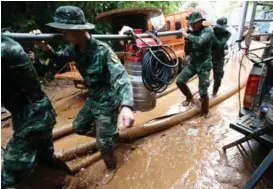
(76, 127)
(180, 82)
(203, 89)
(203, 92)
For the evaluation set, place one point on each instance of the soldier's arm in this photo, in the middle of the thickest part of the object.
(119, 78)
(62, 56)
(220, 43)
(202, 39)
(188, 47)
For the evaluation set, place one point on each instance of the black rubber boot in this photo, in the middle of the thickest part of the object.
(61, 166)
(187, 92)
(216, 86)
(205, 106)
(109, 159)
(70, 182)
(43, 177)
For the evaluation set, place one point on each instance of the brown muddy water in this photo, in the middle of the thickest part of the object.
(188, 155)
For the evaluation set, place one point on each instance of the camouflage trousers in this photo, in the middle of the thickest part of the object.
(23, 154)
(99, 123)
(218, 72)
(203, 74)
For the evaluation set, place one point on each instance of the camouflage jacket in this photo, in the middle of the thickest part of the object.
(218, 44)
(199, 47)
(21, 91)
(105, 77)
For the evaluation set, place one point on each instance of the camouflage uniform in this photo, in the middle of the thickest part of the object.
(218, 53)
(33, 116)
(107, 81)
(199, 49)
(199, 46)
(108, 86)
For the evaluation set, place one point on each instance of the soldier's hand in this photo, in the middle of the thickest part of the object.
(184, 33)
(126, 118)
(42, 44)
(31, 56)
(207, 23)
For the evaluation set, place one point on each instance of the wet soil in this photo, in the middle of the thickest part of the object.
(188, 155)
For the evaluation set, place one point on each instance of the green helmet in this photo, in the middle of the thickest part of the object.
(70, 18)
(221, 23)
(195, 17)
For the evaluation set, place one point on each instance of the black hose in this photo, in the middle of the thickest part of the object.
(158, 68)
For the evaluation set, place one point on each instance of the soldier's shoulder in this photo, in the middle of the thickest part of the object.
(10, 47)
(103, 48)
(103, 44)
(227, 32)
(69, 48)
(208, 29)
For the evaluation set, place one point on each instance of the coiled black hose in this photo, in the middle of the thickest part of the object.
(158, 68)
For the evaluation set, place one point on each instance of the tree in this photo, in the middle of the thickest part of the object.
(193, 4)
(27, 15)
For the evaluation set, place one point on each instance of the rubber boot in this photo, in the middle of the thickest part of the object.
(205, 106)
(109, 159)
(61, 166)
(44, 177)
(70, 182)
(111, 164)
(187, 92)
(216, 86)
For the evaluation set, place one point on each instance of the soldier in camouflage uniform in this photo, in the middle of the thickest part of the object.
(33, 117)
(109, 86)
(199, 47)
(220, 38)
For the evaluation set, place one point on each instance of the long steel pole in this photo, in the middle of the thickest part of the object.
(26, 37)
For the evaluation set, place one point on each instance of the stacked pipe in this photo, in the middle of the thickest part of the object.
(136, 132)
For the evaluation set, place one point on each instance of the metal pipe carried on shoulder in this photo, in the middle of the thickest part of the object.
(56, 37)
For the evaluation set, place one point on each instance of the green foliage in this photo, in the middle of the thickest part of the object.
(27, 15)
(25, 24)
(167, 7)
(193, 4)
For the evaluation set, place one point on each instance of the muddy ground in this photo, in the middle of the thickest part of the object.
(188, 155)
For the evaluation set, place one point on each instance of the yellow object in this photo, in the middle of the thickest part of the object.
(114, 58)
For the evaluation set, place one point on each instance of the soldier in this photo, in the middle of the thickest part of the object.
(220, 38)
(109, 86)
(199, 47)
(33, 117)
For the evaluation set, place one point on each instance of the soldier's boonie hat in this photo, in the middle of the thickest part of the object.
(195, 17)
(70, 18)
(221, 23)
